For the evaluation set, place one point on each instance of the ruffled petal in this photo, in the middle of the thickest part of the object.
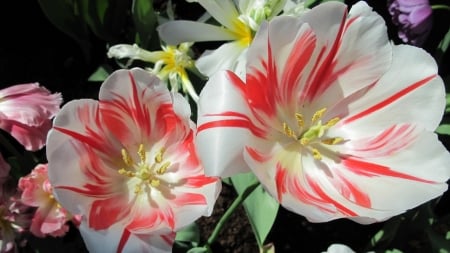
(229, 56)
(412, 82)
(32, 138)
(116, 239)
(223, 125)
(224, 11)
(80, 149)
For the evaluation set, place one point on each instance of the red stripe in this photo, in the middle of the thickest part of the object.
(80, 137)
(359, 196)
(123, 240)
(389, 100)
(320, 80)
(280, 180)
(327, 199)
(371, 170)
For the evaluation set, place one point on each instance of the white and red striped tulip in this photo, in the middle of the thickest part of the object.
(127, 164)
(333, 119)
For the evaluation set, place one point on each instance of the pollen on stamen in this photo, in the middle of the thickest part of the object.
(316, 154)
(300, 121)
(332, 141)
(287, 130)
(126, 157)
(318, 114)
(141, 153)
(159, 155)
(155, 182)
(163, 168)
(332, 122)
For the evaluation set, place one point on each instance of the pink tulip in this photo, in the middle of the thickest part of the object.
(127, 164)
(414, 19)
(334, 120)
(50, 218)
(26, 111)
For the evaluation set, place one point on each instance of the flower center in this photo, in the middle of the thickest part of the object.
(243, 32)
(146, 172)
(313, 133)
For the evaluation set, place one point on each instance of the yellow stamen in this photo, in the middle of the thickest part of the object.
(159, 155)
(141, 152)
(317, 115)
(304, 141)
(316, 154)
(163, 168)
(287, 130)
(300, 121)
(126, 157)
(332, 122)
(155, 182)
(332, 141)
(122, 171)
(137, 189)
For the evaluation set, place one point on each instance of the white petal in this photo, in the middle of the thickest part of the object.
(339, 248)
(229, 56)
(410, 92)
(224, 11)
(107, 241)
(219, 144)
(176, 32)
(62, 154)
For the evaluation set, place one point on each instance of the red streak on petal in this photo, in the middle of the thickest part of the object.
(142, 117)
(81, 138)
(327, 199)
(371, 170)
(106, 212)
(256, 155)
(280, 181)
(389, 100)
(91, 191)
(324, 75)
(199, 181)
(169, 238)
(123, 240)
(242, 122)
(189, 199)
(298, 59)
(143, 220)
(359, 196)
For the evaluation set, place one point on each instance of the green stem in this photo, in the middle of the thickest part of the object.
(6, 144)
(440, 7)
(226, 216)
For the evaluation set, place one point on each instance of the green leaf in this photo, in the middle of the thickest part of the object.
(106, 19)
(65, 16)
(439, 243)
(385, 235)
(189, 233)
(100, 74)
(198, 250)
(260, 207)
(144, 19)
(443, 47)
(443, 129)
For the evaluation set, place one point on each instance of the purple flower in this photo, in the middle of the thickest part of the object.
(413, 18)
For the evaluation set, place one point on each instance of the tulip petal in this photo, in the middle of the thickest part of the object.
(229, 56)
(417, 88)
(117, 240)
(179, 31)
(220, 130)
